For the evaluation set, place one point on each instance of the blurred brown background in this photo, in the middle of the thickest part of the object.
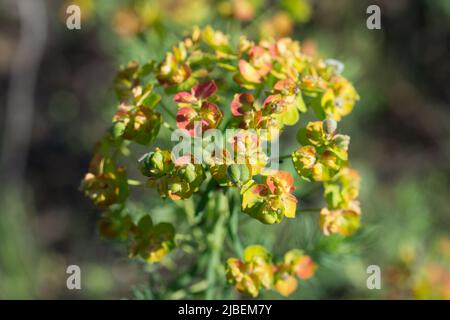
(399, 129)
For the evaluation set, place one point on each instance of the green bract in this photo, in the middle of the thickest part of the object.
(323, 154)
(206, 86)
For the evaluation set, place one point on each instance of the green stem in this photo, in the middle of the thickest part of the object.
(284, 157)
(311, 191)
(216, 246)
(168, 126)
(169, 112)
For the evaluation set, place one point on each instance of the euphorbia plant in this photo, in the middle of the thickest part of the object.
(207, 86)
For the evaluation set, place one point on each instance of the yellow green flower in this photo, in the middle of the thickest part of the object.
(340, 221)
(257, 271)
(106, 188)
(341, 191)
(323, 153)
(252, 274)
(139, 124)
(174, 69)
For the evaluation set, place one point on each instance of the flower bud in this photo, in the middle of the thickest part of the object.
(329, 125)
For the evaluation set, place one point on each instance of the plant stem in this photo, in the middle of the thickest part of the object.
(212, 185)
(168, 126)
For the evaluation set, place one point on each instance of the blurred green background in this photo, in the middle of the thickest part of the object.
(399, 129)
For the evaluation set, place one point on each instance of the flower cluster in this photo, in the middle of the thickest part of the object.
(282, 107)
(205, 85)
(236, 165)
(106, 182)
(135, 118)
(174, 69)
(257, 271)
(106, 188)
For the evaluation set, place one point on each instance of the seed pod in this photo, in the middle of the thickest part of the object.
(329, 125)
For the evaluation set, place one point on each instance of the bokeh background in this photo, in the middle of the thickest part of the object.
(57, 102)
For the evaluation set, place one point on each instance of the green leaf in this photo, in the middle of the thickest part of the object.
(302, 137)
